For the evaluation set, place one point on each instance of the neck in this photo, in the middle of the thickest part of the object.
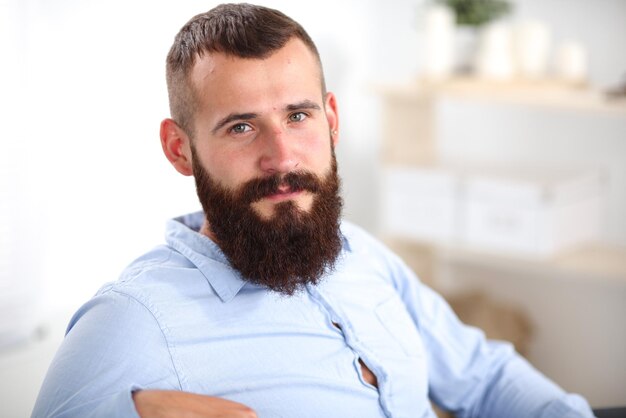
(206, 230)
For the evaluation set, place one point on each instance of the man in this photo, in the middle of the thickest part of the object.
(266, 304)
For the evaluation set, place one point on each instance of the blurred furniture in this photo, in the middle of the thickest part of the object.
(409, 139)
(410, 111)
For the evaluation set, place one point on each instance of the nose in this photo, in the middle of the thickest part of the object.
(277, 155)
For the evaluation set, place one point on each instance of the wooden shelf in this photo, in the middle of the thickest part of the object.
(549, 93)
(593, 261)
(589, 262)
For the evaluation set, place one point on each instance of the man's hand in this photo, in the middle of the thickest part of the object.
(170, 403)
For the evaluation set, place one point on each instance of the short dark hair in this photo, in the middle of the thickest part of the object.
(241, 30)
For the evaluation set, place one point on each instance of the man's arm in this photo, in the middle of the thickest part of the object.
(114, 353)
(473, 376)
(173, 404)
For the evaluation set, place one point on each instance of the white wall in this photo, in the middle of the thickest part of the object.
(93, 184)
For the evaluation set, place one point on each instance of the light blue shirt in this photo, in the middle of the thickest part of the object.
(181, 318)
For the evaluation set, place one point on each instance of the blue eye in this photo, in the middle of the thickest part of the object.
(297, 117)
(240, 128)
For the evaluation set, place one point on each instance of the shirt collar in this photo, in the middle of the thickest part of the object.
(182, 234)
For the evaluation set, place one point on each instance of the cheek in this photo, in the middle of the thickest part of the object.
(232, 169)
(319, 154)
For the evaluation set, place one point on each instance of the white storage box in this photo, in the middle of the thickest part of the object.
(536, 212)
(420, 203)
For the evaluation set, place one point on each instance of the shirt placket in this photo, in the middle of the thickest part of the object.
(360, 349)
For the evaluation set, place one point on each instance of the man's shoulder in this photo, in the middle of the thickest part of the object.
(156, 262)
(367, 252)
(360, 241)
(156, 271)
(363, 251)
(154, 287)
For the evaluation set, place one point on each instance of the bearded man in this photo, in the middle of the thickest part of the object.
(266, 303)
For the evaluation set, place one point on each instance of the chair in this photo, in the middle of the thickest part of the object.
(619, 412)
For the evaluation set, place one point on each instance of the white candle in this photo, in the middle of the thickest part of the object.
(495, 59)
(571, 62)
(439, 42)
(532, 49)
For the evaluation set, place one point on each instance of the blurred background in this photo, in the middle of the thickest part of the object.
(485, 141)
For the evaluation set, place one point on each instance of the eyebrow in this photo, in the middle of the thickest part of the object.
(231, 118)
(303, 105)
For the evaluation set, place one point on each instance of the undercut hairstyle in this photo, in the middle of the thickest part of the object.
(239, 30)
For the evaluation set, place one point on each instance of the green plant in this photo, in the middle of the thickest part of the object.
(477, 12)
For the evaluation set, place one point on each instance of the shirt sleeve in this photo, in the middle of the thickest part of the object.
(113, 347)
(475, 377)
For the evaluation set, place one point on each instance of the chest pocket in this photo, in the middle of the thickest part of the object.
(399, 325)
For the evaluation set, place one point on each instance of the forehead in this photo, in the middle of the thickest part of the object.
(221, 80)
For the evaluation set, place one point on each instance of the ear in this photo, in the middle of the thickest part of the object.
(176, 146)
(332, 116)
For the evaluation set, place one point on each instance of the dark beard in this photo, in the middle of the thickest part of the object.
(292, 248)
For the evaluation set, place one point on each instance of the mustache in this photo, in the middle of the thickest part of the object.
(256, 189)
